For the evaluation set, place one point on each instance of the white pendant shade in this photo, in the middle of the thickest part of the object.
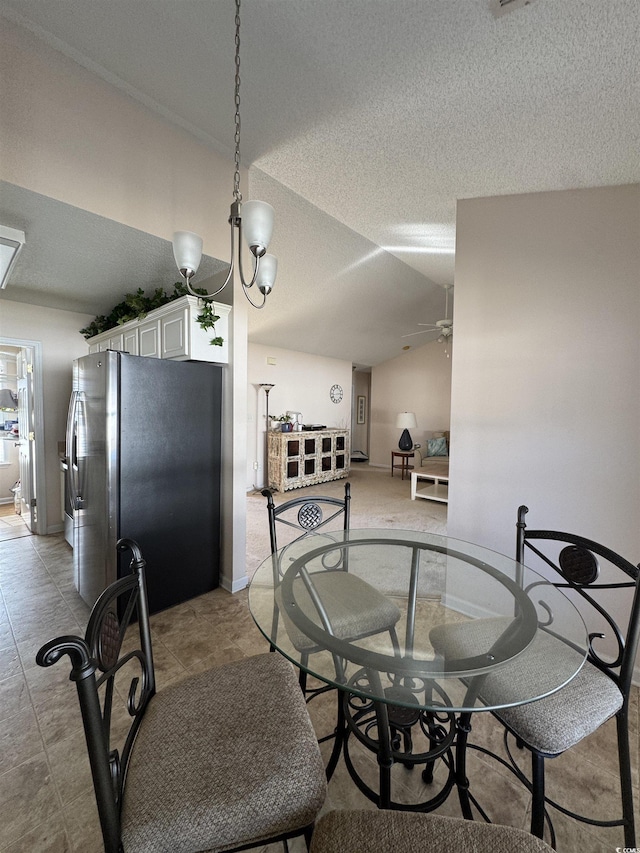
(267, 273)
(187, 251)
(257, 224)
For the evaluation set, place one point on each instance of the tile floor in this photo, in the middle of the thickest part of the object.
(11, 525)
(46, 800)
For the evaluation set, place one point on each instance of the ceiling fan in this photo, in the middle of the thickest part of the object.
(445, 327)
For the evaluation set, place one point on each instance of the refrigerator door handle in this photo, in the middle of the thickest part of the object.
(73, 441)
(70, 445)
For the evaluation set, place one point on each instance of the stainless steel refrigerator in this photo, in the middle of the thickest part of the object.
(144, 452)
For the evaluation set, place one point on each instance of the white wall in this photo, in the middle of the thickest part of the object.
(546, 367)
(301, 383)
(418, 381)
(61, 343)
(67, 134)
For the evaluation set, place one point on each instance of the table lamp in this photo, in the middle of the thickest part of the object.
(406, 421)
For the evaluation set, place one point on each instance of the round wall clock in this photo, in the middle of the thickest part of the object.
(335, 393)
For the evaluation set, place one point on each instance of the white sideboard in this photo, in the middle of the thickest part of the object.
(299, 459)
(171, 331)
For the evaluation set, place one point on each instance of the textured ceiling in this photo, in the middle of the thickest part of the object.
(379, 113)
(82, 262)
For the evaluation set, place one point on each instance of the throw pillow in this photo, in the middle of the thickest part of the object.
(437, 447)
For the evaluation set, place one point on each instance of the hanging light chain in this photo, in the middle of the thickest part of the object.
(261, 234)
(236, 178)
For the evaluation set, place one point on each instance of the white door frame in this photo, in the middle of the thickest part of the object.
(38, 414)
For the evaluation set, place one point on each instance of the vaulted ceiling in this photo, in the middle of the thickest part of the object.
(363, 123)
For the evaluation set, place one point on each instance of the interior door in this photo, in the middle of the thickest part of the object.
(26, 437)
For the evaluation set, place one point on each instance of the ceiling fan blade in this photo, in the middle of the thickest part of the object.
(433, 325)
(423, 332)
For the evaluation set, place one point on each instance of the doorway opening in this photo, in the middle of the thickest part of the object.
(22, 484)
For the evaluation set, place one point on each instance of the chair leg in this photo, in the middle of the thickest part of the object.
(625, 778)
(302, 679)
(537, 803)
(308, 832)
(463, 726)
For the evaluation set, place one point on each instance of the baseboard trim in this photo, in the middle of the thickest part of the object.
(467, 609)
(234, 586)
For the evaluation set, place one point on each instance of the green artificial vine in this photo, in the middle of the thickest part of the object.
(136, 306)
(206, 319)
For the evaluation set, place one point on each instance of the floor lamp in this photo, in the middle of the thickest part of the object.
(267, 387)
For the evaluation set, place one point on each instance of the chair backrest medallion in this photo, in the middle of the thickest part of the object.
(590, 570)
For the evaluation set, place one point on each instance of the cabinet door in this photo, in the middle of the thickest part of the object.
(115, 342)
(149, 339)
(130, 341)
(175, 335)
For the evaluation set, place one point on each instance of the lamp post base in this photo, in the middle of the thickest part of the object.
(406, 442)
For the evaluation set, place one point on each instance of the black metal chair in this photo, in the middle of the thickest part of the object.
(375, 613)
(223, 760)
(601, 689)
(389, 831)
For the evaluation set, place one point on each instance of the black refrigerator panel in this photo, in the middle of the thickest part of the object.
(169, 473)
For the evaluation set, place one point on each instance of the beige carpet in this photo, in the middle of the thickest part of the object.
(377, 500)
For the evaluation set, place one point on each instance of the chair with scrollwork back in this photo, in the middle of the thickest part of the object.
(370, 612)
(601, 689)
(222, 760)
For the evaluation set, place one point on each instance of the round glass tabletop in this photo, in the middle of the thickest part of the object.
(417, 620)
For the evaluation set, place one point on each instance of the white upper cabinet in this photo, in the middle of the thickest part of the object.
(171, 331)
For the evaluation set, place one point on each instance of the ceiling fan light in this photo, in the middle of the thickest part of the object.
(257, 225)
(187, 251)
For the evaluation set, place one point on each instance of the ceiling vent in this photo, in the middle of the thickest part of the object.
(501, 7)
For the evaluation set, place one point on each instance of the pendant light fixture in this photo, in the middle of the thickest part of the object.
(254, 219)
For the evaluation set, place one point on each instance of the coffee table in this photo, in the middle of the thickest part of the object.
(438, 491)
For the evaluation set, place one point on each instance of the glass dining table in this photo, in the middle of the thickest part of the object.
(468, 638)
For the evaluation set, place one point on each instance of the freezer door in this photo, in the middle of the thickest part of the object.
(93, 442)
(170, 473)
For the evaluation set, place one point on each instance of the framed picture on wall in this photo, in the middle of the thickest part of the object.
(362, 403)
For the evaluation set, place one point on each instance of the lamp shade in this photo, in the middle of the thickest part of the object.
(267, 270)
(8, 400)
(406, 420)
(187, 251)
(257, 225)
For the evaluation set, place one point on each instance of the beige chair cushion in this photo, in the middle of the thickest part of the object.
(550, 725)
(411, 832)
(222, 758)
(355, 608)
